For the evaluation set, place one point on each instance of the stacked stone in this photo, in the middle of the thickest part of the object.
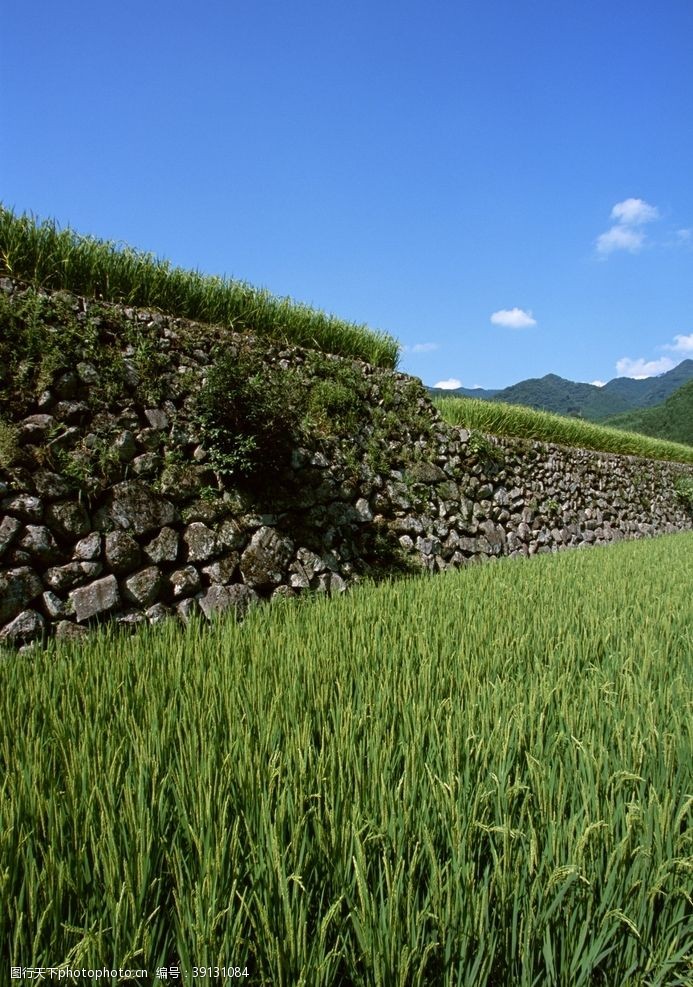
(531, 498)
(136, 560)
(146, 545)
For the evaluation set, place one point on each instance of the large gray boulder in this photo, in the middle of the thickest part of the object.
(157, 418)
(68, 519)
(95, 599)
(39, 542)
(66, 630)
(24, 506)
(219, 599)
(125, 446)
(363, 510)
(89, 548)
(9, 526)
(496, 537)
(133, 507)
(185, 581)
(201, 542)
(426, 472)
(143, 587)
(18, 587)
(164, 547)
(222, 571)
(157, 613)
(53, 606)
(50, 485)
(26, 626)
(35, 428)
(63, 577)
(231, 534)
(122, 552)
(264, 562)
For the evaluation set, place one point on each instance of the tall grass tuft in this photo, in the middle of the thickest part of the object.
(498, 418)
(55, 258)
(483, 778)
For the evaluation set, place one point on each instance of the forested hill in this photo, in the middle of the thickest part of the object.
(567, 397)
(673, 419)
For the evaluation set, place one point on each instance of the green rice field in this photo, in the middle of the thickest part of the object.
(478, 778)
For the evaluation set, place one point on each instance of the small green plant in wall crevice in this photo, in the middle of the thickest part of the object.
(552, 507)
(683, 486)
(488, 454)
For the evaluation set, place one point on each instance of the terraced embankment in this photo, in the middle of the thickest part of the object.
(150, 465)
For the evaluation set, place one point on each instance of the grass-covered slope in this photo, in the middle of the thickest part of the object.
(672, 420)
(515, 420)
(49, 258)
(43, 254)
(479, 779)
(567, 397)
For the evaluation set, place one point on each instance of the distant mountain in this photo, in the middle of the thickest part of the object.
(564, 397)
(567, 397)
(466, 392)
(673, 419)
(653, 390)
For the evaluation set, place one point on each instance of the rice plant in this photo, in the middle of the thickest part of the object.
(55, 258)
(498, 418)
(480, 778)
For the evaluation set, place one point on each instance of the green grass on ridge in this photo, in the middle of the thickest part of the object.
(54, 258)
(496, 418)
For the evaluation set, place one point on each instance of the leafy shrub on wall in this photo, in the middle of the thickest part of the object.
(684, 490)
(246, 413)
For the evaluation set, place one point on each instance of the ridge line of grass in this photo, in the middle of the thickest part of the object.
(514, 420)
(43, 254)
(54, 258)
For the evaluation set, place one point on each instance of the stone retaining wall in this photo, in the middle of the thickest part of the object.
(112, 511)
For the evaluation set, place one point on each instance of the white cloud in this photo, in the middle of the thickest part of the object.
(684, 236)
(634, 212)
(620, 238)
(513, 318)
(598, 383)
(681, 344)
(424, 347)
(450, 384)
(626, 234)
(639, 369)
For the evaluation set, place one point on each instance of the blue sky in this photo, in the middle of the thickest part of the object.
(506, 186)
